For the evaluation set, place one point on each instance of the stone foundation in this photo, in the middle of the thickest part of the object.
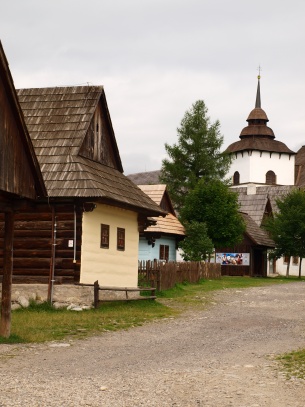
(68, 296)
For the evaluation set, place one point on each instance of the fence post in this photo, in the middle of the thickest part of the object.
(96, 294)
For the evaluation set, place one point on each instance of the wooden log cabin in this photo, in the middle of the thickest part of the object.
(87, 228)
(248, 258)
(20, 180)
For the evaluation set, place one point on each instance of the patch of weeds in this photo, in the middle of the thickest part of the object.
(293, 364)
(13, 339)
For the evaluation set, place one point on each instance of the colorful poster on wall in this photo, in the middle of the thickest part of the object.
(233, 259)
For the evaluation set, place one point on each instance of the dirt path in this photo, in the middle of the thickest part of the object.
(215, 358)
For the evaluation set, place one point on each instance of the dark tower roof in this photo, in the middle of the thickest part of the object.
(257, 135)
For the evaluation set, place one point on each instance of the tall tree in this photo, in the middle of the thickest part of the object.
(197, 245)
(214, 204)
(287, 227)
(196, 155)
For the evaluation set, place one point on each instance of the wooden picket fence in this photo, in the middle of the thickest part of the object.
(163, 276)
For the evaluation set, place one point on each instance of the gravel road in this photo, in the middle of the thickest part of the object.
(220, 357)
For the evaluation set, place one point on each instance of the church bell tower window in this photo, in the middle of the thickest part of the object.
(236, 178)
(270, 178)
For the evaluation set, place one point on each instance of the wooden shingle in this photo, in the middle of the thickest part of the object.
(258, 235)
(60, 120)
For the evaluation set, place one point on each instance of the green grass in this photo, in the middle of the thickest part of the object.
(200, 294)
(40, 323)
(293, 364)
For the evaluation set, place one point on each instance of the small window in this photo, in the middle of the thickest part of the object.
(295, 260)
(236, 177)
(286, 259)
(270, 178)
(164, 251)
(121, 239)
(105, 236)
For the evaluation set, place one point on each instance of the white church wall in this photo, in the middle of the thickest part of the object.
(241, 164)
(253, 167)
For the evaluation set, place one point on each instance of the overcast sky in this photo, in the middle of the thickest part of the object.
(155, 58)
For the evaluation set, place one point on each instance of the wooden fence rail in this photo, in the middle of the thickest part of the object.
(98, 300)
(163, 276)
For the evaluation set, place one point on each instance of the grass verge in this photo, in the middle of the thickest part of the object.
(40, 323)
(293, 364)
(199, 294)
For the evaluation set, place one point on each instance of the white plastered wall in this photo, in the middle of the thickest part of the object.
(111, 267)
(253, 167)
(281, 267)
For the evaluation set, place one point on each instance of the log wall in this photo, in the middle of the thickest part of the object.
(32, 249)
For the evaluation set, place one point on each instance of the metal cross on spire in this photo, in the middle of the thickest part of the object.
(258, 93)
(259, 71)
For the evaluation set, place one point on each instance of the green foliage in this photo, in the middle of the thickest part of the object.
(196, 155)
(197, 245)
(214, 204)
(293, 363)
(287, 227)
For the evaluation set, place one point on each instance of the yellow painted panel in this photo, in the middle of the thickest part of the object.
(111, 267)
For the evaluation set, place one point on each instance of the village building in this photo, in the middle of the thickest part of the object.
(160, 240)
(21, 181)
(88, 228)
(264, 169)
(257, 157)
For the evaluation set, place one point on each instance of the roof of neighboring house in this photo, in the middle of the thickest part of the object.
(300, 167)
(146, 178)
(170, 224)
(254, 204)
(58, 120)
(257, 234)
(156, 192)
(25, 140)
(275, 192)
(159, 194)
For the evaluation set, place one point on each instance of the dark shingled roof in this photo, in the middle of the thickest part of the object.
(255, 204)
(259, 144)
(145, 178)
(258, 235)
(25, 140)
(58, 120)
(257, 114)
(300, 167)
(257, 135)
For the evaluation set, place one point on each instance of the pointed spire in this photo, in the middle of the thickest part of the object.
(258, 94)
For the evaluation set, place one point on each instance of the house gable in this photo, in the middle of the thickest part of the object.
(19, 170)
(60, 122)
(99, 143)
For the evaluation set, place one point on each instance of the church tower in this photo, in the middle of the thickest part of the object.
(257, 157)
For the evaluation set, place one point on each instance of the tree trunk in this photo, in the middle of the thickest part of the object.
(300, 268)
(5, 323)
(288, 266)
